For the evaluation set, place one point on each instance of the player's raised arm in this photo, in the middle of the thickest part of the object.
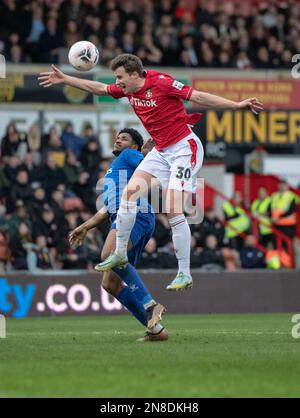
(56, 76)
(210, 101)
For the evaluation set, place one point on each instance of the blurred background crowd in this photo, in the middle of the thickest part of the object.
(177, 33)
(48, 186)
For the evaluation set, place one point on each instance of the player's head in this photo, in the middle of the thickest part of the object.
(129, 72)
(128, 138)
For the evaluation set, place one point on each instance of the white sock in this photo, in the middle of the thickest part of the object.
(125, 221)
(181, 236)
(149, 304)
(156, 329)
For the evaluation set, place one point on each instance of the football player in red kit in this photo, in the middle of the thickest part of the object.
(177, 157)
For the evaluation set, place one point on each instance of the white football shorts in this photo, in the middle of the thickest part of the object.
(176, 166)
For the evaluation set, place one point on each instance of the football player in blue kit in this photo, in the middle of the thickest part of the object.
(134, 295)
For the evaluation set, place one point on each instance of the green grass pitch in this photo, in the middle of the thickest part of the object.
(206, 356)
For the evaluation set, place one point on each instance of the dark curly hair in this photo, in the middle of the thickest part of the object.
(135, 135)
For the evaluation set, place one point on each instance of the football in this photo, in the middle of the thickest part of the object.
(83, 55)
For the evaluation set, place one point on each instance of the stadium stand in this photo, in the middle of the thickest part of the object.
(47, 188)
(184, 33)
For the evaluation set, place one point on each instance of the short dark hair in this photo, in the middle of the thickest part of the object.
(130, 62)
(135, 135)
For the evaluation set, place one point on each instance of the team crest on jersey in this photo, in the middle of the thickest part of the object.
(177, 85)
(148, 94)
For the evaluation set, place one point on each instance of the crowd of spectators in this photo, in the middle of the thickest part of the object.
(186, 33)
(48, 187)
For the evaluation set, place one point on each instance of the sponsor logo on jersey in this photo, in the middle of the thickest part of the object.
(177, 85)
(143, 103)
(148, 94)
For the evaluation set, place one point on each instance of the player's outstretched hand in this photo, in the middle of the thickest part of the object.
(252, 104)
(76, 237)
(50, 78)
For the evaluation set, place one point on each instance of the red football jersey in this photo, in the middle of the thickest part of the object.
(158, 104)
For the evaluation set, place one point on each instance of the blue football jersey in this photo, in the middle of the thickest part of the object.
(116, 179)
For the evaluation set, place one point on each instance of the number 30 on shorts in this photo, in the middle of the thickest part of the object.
(183, 173)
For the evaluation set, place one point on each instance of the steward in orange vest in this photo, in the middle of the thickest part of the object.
(283, 209)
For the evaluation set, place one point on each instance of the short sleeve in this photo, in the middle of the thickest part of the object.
(174, 88)
(115, 91)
